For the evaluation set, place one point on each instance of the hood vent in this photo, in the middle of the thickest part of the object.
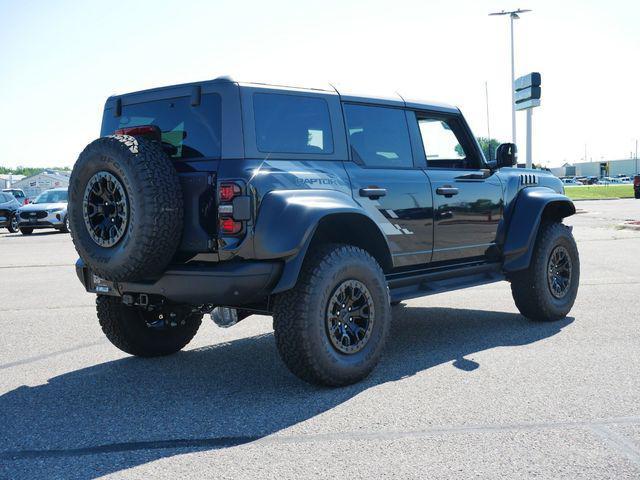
(528, 179)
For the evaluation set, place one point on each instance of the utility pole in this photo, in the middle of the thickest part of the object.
(486, 94)
(529, 157)
(513, 15)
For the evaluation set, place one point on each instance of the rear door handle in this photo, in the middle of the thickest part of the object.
(447, 191)
(373, 193)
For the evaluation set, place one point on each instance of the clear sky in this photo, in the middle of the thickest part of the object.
(60, 60)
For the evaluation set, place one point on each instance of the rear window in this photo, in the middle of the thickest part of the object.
(187, 131)
(292, 124)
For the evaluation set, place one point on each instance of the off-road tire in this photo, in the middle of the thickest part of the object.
(155, 207)
(530, 287)
(65, 225)
(26, 230)
(299, 317)
(125, 328)
(10, 226)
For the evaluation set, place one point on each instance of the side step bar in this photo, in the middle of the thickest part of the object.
(403, 286)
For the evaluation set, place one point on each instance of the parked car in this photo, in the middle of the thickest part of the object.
(18, 194)
(8, 212)
(570, 181)
(636, 185)
(48, 210)
(318, 207)
(623, 178)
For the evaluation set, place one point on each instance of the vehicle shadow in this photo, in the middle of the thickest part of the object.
(219, 396)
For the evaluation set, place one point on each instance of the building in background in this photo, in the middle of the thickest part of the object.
(7, 180)
(36, 184)
(605, 168)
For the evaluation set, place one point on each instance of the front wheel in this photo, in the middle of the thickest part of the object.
(547, 290)
(636, 193)
(331, 328)
(147, 333)
(13, 224)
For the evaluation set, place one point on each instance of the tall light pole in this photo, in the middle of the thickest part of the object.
(513, 15)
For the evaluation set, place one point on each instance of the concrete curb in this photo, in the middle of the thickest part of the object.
(594, 199)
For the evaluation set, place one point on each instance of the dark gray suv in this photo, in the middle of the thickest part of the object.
(317, 206)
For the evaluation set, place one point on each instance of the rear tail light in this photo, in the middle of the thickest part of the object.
(151, 131)
(226, 193)
(230, 226)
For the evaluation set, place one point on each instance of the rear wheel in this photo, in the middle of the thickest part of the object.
(332, 327)
(547, 290)
(65, 225)
(26, 230)
(636, 193)
(143, 333)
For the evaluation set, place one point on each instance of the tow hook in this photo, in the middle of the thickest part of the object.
(224, 317)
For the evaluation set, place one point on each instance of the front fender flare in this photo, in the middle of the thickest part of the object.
(530, 206)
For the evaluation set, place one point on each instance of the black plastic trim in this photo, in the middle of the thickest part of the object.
(226, 284)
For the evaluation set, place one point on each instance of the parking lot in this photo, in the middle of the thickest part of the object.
(467, 388)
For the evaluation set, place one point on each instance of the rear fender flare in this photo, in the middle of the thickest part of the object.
(297, 213)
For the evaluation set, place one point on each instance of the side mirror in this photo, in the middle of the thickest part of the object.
(507, 155)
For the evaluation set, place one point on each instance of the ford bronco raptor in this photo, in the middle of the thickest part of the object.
(320, 208)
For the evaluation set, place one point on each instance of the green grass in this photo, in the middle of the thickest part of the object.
(599, 191)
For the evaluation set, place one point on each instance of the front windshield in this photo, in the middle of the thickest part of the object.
(52, 196)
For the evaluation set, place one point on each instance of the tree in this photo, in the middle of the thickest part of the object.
(28, 171)
(488, 146)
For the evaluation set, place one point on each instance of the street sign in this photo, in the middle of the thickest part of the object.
(526, 97)
(528, 91)
(534, 79)
(531, 93)
(528, 104)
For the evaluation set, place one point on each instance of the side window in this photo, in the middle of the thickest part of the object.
(378, 136)
(292, 124)
(442, 145)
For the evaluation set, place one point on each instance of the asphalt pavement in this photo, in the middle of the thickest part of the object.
(468, 388)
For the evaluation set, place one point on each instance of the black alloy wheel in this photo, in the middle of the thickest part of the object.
(105, 209)
(350, 317)
(559, 272)
(13, 226)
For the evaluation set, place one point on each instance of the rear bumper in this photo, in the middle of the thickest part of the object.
(227, 284)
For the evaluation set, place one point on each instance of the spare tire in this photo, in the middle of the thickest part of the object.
(125, 208)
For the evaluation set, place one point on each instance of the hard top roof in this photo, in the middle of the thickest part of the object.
(395, 99)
